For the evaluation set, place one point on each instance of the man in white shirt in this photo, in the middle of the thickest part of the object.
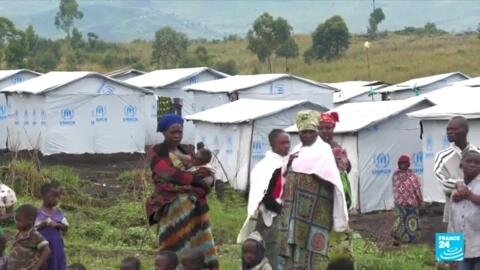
(447, 162)
(263, 182)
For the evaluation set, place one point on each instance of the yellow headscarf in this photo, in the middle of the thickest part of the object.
(307, 120)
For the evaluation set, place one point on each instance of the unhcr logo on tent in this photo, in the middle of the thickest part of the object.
(429, 147)
(101, 113)
(153, 109)
(17, 117)
(25, 118)
(417, 159)
(258, 150)
(445, 141)
(229, 145)
(34, 117)
(277, 89)
(381, 162)
(130, 113)
(17, 79)
(43, 117)
(67, 117)
(3, 112)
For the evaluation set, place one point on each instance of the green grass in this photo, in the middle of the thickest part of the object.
(393, 58)
(101, 235)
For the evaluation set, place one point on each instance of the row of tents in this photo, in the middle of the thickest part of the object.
(87, 112)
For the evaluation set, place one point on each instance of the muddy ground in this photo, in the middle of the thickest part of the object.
(105, 169)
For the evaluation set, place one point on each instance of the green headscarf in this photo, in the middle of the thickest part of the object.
(307, 120)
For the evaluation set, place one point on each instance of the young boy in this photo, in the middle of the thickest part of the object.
(465, 210)
(192, 259)
(253, 253)
(130, 263)
(166, 260)
(29, 250)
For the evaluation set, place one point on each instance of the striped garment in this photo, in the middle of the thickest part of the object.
(183, 212)
(447, 171)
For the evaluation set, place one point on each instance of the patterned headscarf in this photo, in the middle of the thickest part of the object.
(330, 118)
(168, 120)
(404, 158)
(307, 120)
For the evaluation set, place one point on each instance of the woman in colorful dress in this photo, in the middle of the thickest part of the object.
(407, 196)
(340, 242)
(179, 204)
(313, 200)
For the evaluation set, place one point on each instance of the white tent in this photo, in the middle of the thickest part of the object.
(238, 132)
(434, 122)
(374, 136)
(422, 85)
(7, 78)
(208, 95)
(356, 91)
(75, 113)
(168, 83)
(124, 74)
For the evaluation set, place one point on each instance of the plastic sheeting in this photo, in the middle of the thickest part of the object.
(3, 121)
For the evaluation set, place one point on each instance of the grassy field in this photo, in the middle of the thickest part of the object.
(393, 58)
(105, 230)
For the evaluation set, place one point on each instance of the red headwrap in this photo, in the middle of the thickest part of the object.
(404, 158)
(330, 118)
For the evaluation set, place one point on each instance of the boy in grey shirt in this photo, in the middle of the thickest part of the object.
(465, 210)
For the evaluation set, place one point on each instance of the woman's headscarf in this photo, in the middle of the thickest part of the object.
(330, 118)
(260, 255)
(404, 158)
(167, 120)
(307, 120)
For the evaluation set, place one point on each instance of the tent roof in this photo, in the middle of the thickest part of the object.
(245, 110)
(351, 89)
(360, 115)
(243, 82)
(4, 74)
(164, 77)
(451, 101)
(473, 82)
(419, 82)
(124, 71)
(56, 79)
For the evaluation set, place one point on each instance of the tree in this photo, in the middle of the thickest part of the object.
(77, 39)
(66, 16)
(169, 47)
(229, 67)
(92, 40)
(376, 17)
(16, 51)
(32, 39)
(46, 57)
(330, 40)
(266, 36)
(288, 49)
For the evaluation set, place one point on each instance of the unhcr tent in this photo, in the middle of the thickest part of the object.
(419, 86)
(434, 122)
(7, 78)
(167, 85)
(356, 91)
(75, 113)
(208, 95)
(238, 133)
(124, 74)
(375, 135)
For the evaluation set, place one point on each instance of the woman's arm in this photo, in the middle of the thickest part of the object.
(164, 169)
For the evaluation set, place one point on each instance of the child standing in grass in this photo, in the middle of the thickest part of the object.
(29, 249)
(50, 223)
(465, 210)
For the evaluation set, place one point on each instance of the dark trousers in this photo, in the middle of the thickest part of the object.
(269, 235)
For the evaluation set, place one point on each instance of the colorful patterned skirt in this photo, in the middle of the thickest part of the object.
(406, 228)
(305, 223)
(186, 225)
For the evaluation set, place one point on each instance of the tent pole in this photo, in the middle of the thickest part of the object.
(359, 174)
(250, 156)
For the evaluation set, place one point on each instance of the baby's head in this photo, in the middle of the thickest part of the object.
(253, 250)
(25, 217)
(130, 263)
(193, 259)
(341, 263)
(166, 260)
(202, 157)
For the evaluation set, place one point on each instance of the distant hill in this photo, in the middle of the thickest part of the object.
(119, 20)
